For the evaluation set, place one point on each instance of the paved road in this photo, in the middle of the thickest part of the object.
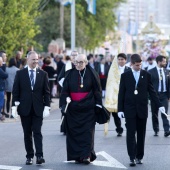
(112, 154)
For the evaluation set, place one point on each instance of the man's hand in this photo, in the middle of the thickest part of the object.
(14, 112)
(121, 115)
(46, 111)
(162, 109)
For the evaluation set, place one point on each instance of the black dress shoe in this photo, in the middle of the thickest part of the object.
(156, 134)
(166, 134)
(78, 162)
(139, 161)
(132, 162)
(119, 134)
(40, 160)
(29, 161)
(86, 161)
(6, 115)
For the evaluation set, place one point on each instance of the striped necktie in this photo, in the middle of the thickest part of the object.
(32, 78)
(161, 78)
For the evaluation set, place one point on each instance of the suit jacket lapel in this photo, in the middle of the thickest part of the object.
(140, 78)
(38, 77)
(157, 77)
(125, 69)
(27, 78)
(132, 77)
(166, 73)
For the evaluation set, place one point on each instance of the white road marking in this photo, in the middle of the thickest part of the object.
(4, 167)
(111, 162)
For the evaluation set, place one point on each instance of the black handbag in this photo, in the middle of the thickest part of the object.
(103, 117)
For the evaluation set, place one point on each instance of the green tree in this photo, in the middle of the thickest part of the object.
(49, 22)
(90, 29)
(18, 28)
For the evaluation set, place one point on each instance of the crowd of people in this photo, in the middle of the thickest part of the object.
(80, 82)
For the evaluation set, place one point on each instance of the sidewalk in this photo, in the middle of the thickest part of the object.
(54, 106)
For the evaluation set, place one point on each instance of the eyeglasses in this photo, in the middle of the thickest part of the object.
(80, 63)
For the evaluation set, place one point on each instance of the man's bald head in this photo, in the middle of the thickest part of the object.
(18, 55)
(73, 55)
(82, 57)
(80, 61)
(32, 59)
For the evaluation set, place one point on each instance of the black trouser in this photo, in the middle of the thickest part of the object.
(32, 126)
(103, 83)
(51, 83)
(135, 147)
(58, 89)
(8, 100)
(154, 108)
(117, 121)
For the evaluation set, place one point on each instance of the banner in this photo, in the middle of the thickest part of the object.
(91, 6)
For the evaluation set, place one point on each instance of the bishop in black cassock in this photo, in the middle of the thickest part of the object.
(83, 87)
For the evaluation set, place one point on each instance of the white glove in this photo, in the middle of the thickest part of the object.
(55, 75)
(61, 82)
(121, 115)
(162, 109)
(17, 103)
(14, 112)
(46, 111)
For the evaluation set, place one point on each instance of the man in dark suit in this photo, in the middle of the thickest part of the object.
(107, 65)
(161, 84)
(60, 64)
(151, 64)
(3, 77)
(31, 90)
(122, 69)
(133, 104)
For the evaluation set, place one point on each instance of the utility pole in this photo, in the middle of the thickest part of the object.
(61, 21)
(73, 26)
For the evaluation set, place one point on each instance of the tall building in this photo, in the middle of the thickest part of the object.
(132, 13)
(162, 12)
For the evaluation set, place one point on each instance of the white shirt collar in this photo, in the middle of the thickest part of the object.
(135, 71)
(120, 67)
(31, 69)
(158, 68)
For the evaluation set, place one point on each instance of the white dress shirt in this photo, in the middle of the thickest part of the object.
(102, 68)
(164, 81)
(121, 69)
(29, 73)
(136, 75)
(150, 66)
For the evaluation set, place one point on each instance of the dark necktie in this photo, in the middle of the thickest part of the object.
(32, 78)
(161, 78)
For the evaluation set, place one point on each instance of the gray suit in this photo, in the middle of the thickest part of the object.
(11, 71)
